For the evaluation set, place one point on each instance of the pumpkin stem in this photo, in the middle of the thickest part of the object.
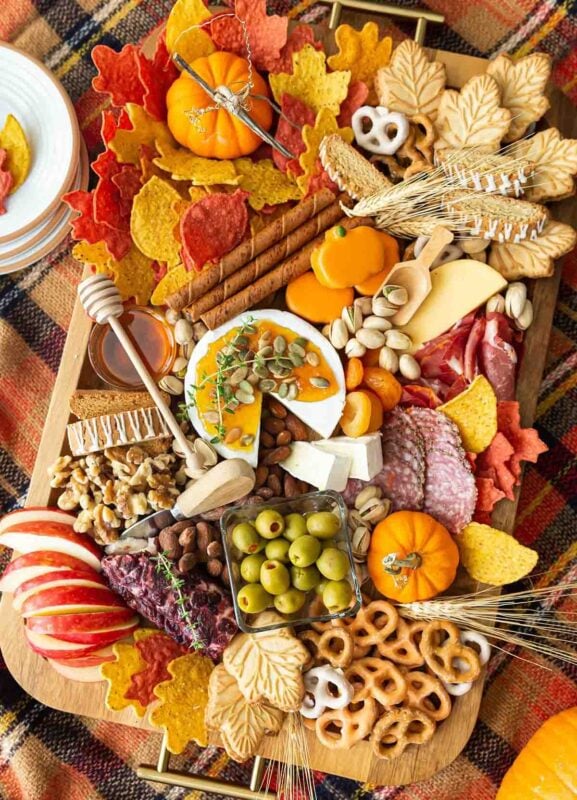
(393, 564)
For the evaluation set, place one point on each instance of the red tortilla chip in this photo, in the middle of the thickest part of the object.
(158, 650)
(159, 270)
(212, 226)
(294, 115)
(356, 97)
(487, 496)
(526, 443)
(298, 38)
(6, 181)
(128, 181)
(267, 34)
(86, 228)
(320, 180)
(118, 74)
(156, 76)
(494, 463)
(112, 123)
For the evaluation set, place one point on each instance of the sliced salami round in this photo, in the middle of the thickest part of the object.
(450, 491)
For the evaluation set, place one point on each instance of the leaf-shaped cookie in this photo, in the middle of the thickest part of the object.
(472, 117)
(411, 83)
(533, 258)
(268, 666)
(241, 724)
(522, 84)
(555, 161)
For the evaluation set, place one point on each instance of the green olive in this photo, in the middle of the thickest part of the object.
(304, 551)
(278, 549)
(253, 599)
(246, 538)
(333, 564)
(320, 587)
(290, 601)
(305, 578)
(250, 567)
(323, 524)
(269, 523)
(275, 577)
(337, 596)
(295, 525)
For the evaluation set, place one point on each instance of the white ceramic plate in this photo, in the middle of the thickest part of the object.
(38, 101)
(58, 229)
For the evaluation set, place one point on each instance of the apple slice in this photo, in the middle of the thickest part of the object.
(53, 580)
(93, 659)
(99, 636)
(83, 674)
(40, 562)
(50, 647)
(70, 600)
(36, 514)
(62, 625)
(31, 536)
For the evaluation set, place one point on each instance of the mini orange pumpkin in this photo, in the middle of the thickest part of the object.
(217, 134)
(546, 768)
(412, 557)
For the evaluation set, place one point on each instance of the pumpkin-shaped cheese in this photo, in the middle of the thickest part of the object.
(348, 258)
(412, 557)
(546, 769)
(217, 134)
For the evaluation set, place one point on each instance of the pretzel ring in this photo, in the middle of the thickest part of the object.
(417, 168)
(401, 646)
(441, 646)
(335, 645)
(374, 623)
(427, 694)
(343, 728)
(458, 689)
(399, 728)
(424, 135)
(377, 678)
(325, 687)
(311, 640)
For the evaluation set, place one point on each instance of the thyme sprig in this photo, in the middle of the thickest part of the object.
(163, 566)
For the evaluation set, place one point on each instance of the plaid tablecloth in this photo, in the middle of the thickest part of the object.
(48, 755)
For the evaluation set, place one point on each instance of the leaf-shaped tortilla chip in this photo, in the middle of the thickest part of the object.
(325, 125)
(472, 117)
(241, 724)
(310, 81)
(522, 84)
(268, 666)
(555, 161)
(266, 185)
(146, 130)
(411, 83)
(533, 258)
(361, 52)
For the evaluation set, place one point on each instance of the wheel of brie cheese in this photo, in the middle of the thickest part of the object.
(260, 352)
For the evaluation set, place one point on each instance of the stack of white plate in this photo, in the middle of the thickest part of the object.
(36, 219)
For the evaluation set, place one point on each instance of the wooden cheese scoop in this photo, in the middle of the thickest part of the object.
(101, 301)
(415, 275)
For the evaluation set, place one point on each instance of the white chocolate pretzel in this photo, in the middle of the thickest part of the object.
(318, 695)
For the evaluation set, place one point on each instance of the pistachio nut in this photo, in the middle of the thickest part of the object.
(352, 317)
(367, 494)
(206, 452)
(409, 367)
(388, 359)
(198, 330)
(326, 331)
(186, 350)
(377, 323)
(515, 299)
(382, 308)
(495, 303)
(171, 384)
(375, 509)
(396, 295)
(354, 349)
(360, 541)
(397, 340)
(526, 317)
(354, 519)
(338, 334)
(179, 366)
(172, 316)
(482, 256)
(371, 338)
(183, 331)
(364, 304)
(362, 573)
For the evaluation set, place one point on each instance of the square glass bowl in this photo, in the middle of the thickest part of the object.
(313, 609)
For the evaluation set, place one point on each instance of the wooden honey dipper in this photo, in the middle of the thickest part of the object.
(101, 300)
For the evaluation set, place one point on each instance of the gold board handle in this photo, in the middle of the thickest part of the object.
(161, 773)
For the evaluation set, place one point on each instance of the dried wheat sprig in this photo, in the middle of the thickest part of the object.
(291, 760)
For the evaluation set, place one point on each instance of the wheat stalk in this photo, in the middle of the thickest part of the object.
(291, 760)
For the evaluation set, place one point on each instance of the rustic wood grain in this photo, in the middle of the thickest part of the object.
(39, 680)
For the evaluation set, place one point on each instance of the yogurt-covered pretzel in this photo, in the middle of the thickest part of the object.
(325, 687)
(397, 729)
(379, 130)
(377, 678)
(446, 655)
(426, 693)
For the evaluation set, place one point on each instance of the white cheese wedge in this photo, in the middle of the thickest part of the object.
(458, 288)
(318, 467)
(322, 415)
(365, 453)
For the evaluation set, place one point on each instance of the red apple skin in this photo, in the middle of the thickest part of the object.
(82, 673)
(53, 580)
(50, 559)
(49, 601)
(50, 647)
(30, 536)
(101, 637)
(36, 514)
(61, 625)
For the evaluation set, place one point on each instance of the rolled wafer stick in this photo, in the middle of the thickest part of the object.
(266, 261)
(271, 281)
(203, 282)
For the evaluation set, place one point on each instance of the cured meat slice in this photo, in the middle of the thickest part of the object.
(436, 428)
(402, 477)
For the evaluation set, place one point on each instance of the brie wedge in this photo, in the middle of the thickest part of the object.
(318, 467)
(365, 453)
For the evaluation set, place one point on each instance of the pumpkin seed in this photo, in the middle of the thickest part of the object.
(240, 342)
(232, 404)
(319, 382)
(277, 370)
(247, 440)
(265, 352)
(267, 385)
(249, 328)
(253, 379)
(313, 359)
(285, 363)
(233, 435)
(300, 340)
(211, 417)
(279, 344)
(283, 390)
(261, 371)
(244, 397)
(293, 391)
(238, 375)
(296, 349)
(297, 361)
(265, 339)
(247, 387)
(227, 350)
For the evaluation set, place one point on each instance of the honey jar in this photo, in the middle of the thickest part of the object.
(152, 337)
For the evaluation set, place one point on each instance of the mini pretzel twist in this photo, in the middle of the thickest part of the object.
(401, 645)
(377, 678)
(335, 645)
(311, 640)
(399, 728)
(426, 693)
(374, 623)
(343, 728)
(446, 656)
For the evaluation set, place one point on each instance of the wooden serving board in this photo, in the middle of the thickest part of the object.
(40, 681)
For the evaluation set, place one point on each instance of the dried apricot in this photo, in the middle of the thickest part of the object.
(354, 373)
(356, 416)
(376, 412)
(371, 358)
(384, 384)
